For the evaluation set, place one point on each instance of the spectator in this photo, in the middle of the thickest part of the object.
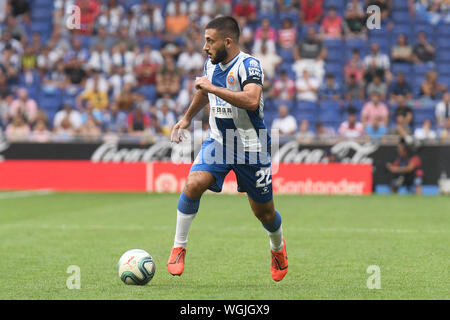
(400, 128)
(245, 8)
(121, 57)
(330, 89)
(100, 59)
(323, 132)
(178, 22)
(289, 6)
(378, 86)
(353, 89)
(97, 97)
(304, 135)
(24, 105)
(431, 89)
(102, 39)
(406, 170)
(400, 88)
(40, 133)
(18, 129)
(287, 34)
(146, 72)
(444, 132)
(423, 51)
(76, 74)
(402, 52)
(89, 11)
(90, 128)
(355, 20)
(265, 35)
(332, 25)
(172, 7)
(284, 123)
(442, 109)
(168, 80)
(190, 59)
(115, 120)
(269, 61)
(354, 67)
(376, 130)
(127, 98)
(307, 87)
(153, 56)
(310, 54)
(6, 97)
(283, 87)
(90, 112)
(121, 78)
(376, 63)
(425, 132)
(405, 111)
(72, 116)
(138, 122)
(374, 109)
(311, 11)
(65, 131)
(351, 128)
(166, 118)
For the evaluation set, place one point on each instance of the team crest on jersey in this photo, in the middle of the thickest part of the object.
(231, 79)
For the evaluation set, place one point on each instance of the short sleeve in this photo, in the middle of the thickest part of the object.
(250, 71)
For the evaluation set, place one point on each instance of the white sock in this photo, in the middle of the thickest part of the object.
(183, 224)
(276, 239)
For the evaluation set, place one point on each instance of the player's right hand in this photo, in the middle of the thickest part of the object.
(177, 130)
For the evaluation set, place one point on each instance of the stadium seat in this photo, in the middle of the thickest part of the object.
(50, 102)
(149, 91)
(421, 69)
(400, 16)
(306, 105)
(401, 67)
(286, 54)
(279, 102)
(443, 42)
(442, 55)
(309, 115)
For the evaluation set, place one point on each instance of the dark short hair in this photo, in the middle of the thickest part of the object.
(351, 110)
(227, 26)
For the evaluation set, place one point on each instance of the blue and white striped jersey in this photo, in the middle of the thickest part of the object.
(234, 75)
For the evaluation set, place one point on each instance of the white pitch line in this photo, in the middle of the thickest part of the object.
(25, 193)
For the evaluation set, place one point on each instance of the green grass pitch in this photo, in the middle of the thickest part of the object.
(331, 241)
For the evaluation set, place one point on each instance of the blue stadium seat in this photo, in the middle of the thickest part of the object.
(149, 91)
(50, 102)
(286, 54)
(442, 55)
(401, 67)
(278, 102)
(154, 42)
(443, 42)
(421, 69)
(286, 66)
(423, 113)
(309, 115)
(306, 106)
(335, 55)
(400, 16)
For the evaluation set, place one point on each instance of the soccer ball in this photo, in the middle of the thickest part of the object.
(136, 267)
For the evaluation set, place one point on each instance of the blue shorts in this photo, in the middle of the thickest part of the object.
(253, 177)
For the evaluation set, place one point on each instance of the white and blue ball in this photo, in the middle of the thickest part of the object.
(136, 267)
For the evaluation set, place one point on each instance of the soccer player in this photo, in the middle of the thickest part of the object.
(232, 84)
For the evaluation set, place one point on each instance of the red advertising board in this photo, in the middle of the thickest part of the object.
(290, 178)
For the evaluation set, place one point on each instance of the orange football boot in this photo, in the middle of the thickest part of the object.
(175, 265)
(279, 265)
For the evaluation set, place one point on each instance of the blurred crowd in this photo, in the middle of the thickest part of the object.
(129, 69)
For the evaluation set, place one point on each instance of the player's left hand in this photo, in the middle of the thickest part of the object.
(202, 83)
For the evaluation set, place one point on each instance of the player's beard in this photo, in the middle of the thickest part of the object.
(221, 55)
